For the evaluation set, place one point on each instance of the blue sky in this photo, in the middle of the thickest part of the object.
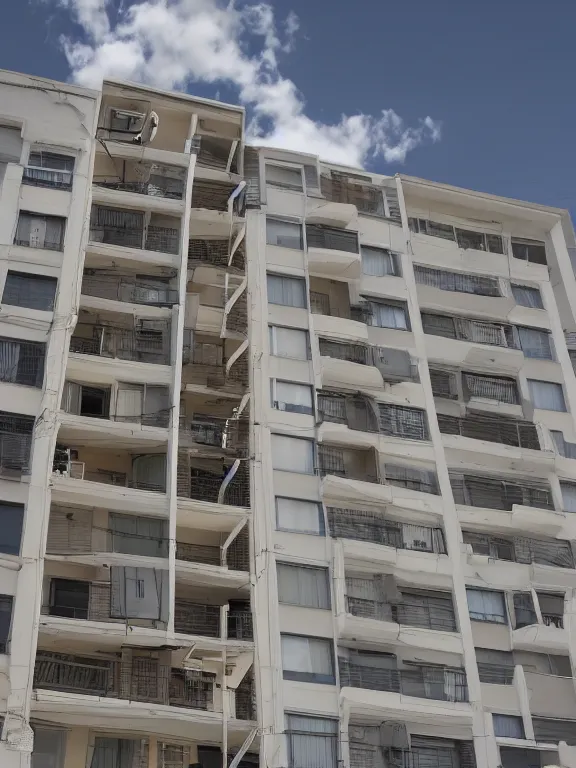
(497, 76)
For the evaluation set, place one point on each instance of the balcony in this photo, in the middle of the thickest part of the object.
(122, 338)
(131, 229)
(423, 682)
(203, 561)
(334, 315)
(193, 618)
(362, 366)
(16, 433)
(437, 617)
(367, 198)
(141, 678)
(138, 177)
(499, 493)
(207, 366)
(215, 206)
(230, 435)
(216, 253)
(333, 252)
(216, 480)
(374, 750)
(151, 292)
(145, 404)
(520, 549)
(541, 629)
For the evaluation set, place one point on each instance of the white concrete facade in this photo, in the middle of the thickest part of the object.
(297, 474)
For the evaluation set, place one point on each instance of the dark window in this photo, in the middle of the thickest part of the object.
(318, 236)
(508, 726)
(95, 402)
(69, 598)
(527, 296)
(15, 442)
(512, 757)
(38, 231)
(23, 289)
(22, 362)
(11, 518)
(496, 667)
(533, 251)
(5, 621)
(49, 169)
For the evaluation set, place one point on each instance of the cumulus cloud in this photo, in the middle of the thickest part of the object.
(173, 44)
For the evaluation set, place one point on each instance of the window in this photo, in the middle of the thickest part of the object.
(512, 757)
(117, 753)
(69, 598)
(287, 234)
(284, 177)
(568, 496)
(10, 144)
(37, 231)
(527, 296)
(444, 384)
(299, 516)
(15, 442)
(485, 605)
(286, 291)
(496, 667)
(318, 236)
(547, 395)
(312, 742)
(49, 748)
(303, 585)
(292, 397)
(466, 238)
(423, 480)
(132, 535)
(533, 251)
(497, 388)
(379, 262)
(401, 421)
(289, 342)
(5, 621)
(535, 343)
(308, 659)
(389, 315)
(49, 169)
(23, 289)
(457, 281)
(11, 518)
(508, 726)
(293, 454)
(86, 401)
(22, 362)
(433, 228)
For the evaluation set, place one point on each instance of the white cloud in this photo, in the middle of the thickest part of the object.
(172, 44)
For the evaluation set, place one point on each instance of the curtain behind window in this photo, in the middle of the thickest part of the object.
(287, 234)
(292, 454)
(301, 585)
(299, 516)
(527, 297)
(312, 742)
(547, 395)
(289, 342)
(484, 605)
(535, 343)
(377, 262)
(286, 291)
(388, 316)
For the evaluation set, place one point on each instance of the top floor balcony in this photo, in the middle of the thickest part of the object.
(139, 177)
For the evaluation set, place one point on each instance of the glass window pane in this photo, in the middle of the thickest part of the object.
(282, 176)
(11, 518)
(508, 726)
(307, 659)
(22, 289)
(388, 316)
(547, 395)
(535, 343)
(377, 262)
(287, 234)
(485, 605)
(527, 297)
(296, 398)
(286, 291)
(568, 496)
(299, 516)
(303, 585)
(289, 342)
(293, 454)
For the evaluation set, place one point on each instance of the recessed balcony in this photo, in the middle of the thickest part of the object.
(213, 365)
(105, 289)
(134, 232)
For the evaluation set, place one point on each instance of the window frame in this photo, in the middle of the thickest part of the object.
(310, 677)
(4, 507)
(505, 622)
(287, 220)
(308, 440)
(394, 257)
(516, 718)
(293, 407)
(65, 185)
(5, 642)
(527, 242)
(283, 276)
(319, 569)
(46, 279)
(288, 166)
(290, 732)
(273, 341)
(321, 517)
(524, 287)
(32, 215)
(553, 383)
(393, 304)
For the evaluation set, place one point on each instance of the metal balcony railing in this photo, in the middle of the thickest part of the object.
(96, 607)
(68, 535)
(154, 238)
(492, 429)
(228, 434)
(192, 618)
(204, 364)
(198, 553)
(353, 353)
(22, 362)
(465, 329)
(368, 199)
(240, 625)
(421, 681)
(141, 679)
(493, 493)
(142, 344)
(457, 281)
(553, 620)
(520, 549)
(171, 189)
(367, 526)
(128, 290)
(214, 196)
(216, 253)
(411, 614)
(202, 480)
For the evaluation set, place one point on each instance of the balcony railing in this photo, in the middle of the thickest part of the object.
(16, 433)
(157, 186)
(128, 290)
(227, 434)
(202, 479)
(205, 364)
(353, 353)
(492, 429)
(154, 238)
(465, 329)
(215, 253)
(237, 557)
(63, 466)
(142, 679)
(367, 526)
(493, 493)
(519, 549)
(69, 533)
(553, 620)
(214, 196)
(421, 681)
(191, 618)
(411, 614)
(368, 198)
(147, 345)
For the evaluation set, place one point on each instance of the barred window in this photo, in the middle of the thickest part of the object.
(457, 281)
(401, 421)
(319, 236)
(497, 388)
(423, 480)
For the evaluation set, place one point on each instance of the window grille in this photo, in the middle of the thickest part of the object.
(22, 362)
(492, 429)
(423, 480)
(319, 236)
(400, 421)
(497, 388)
(457, 281)
(354, 353)
(444, 384)
(494, 493)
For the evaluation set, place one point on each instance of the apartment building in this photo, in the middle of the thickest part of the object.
(287, 452)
